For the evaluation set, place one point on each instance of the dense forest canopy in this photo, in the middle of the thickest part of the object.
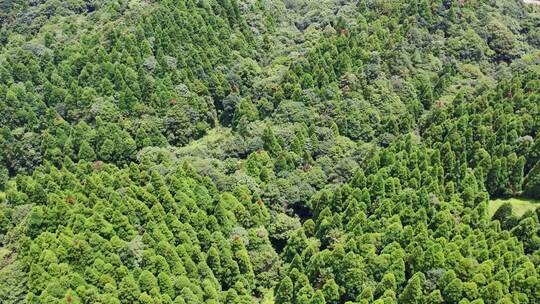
(269, 151)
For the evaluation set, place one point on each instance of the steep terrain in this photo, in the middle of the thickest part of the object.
(261, 151)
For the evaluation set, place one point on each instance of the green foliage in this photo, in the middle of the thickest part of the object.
(239, 151)
(532, 182)
(285, 292)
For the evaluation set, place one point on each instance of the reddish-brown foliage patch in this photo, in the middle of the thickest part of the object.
(98, 164)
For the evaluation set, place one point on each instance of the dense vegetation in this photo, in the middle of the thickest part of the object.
(261, 151)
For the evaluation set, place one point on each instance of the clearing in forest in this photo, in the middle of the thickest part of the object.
(519, 205)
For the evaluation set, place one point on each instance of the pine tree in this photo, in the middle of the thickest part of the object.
(285, 291)
(147, 281)
(270, 141)
(318, 298)
(413, 292)
(435, 297)
(532, 182)
(86, 152)
(492, 293)
(128, 290)
(166, 284)
(453, 291)
(331, 292)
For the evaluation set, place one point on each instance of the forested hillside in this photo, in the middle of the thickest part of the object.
(269, 151)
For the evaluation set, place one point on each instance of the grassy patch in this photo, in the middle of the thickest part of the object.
(519, 205)
(209, 146)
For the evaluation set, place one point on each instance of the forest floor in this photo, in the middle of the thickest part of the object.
(519, 205)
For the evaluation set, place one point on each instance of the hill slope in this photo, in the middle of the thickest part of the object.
(227, 151)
